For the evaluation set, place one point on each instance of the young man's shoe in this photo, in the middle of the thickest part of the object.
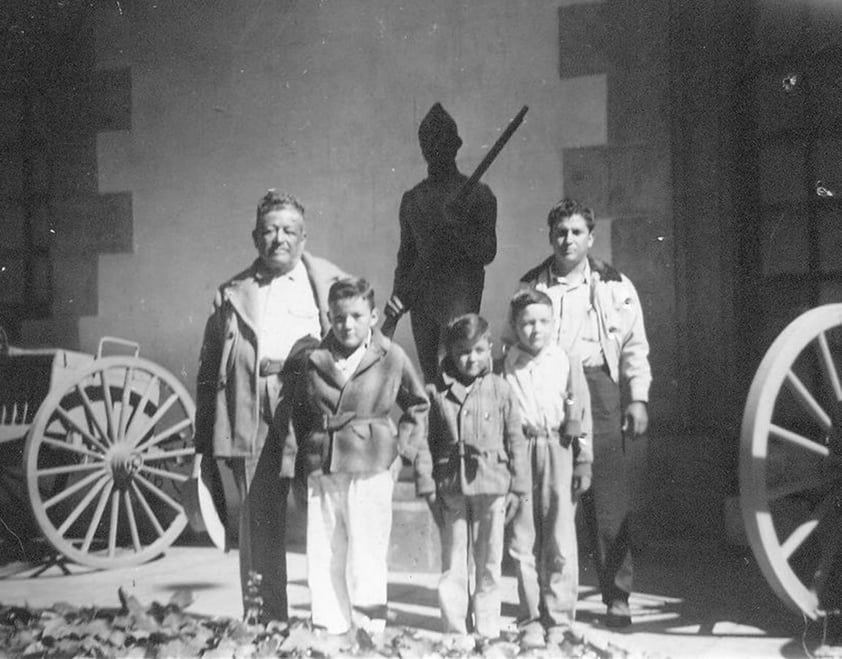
(619, 614)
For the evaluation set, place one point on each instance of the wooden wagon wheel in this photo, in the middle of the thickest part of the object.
(106, 459)
(791, 463)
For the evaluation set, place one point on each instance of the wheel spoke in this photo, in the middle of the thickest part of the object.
(829, 366)
(807, 402)
(94, 523)
(136, 437)
(61, 496)
(68, 469)
(127, 501)
(169, 455)
(169, 432)
(64, 445)
(163, 473)
(160, 494)
(115, 520)
(147, 509)
(138, 410)
(124, 404)
(806, 529)
(79, 509)
(109, 406)
(811, 482)
(82, 431)
(798, 440)
(89, 409)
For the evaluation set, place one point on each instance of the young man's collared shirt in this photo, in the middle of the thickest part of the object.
(576, 321)
(289, 313)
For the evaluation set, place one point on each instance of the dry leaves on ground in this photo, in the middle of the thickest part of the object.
(159, 631)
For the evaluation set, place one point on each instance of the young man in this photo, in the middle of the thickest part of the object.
(444, 247)
(554, 404)
(599, 320)
(261, 319)
(349, 447)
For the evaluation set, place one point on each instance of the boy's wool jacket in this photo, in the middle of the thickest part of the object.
(347, 426)
(475, 443)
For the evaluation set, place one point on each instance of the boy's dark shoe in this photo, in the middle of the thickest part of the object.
(619, 614)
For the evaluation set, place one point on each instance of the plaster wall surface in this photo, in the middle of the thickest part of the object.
(321, 99)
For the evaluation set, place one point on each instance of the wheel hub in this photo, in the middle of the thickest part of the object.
(125, 463)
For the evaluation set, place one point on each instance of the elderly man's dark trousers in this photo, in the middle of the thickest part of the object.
(607, 505)
(262, 531)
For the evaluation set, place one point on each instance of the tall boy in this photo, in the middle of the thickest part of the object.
(554, 405)
(479, 472)
(348, 389)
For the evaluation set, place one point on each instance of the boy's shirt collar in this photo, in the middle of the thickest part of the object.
(518, 357)
(456, 388)
(323, 357)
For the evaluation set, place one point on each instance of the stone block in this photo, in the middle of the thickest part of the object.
(584, 32)
(57, 332)
(618, 181)
(96, 223)
(75, 285)
(639, 104)
(111, 100)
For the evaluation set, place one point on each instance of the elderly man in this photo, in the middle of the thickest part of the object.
(262, 319)
(598, 318)
(445, 243)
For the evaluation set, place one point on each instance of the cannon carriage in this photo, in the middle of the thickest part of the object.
(100, 450)
(791, 464)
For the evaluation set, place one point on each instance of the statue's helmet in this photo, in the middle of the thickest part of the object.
(438, 130)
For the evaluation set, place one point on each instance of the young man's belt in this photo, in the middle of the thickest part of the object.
(271, 366)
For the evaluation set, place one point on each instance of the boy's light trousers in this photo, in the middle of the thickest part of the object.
(349, 519)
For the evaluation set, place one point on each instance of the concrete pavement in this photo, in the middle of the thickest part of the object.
(695, 598)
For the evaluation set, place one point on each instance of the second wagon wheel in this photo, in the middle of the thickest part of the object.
(791, 463)
(106, 459)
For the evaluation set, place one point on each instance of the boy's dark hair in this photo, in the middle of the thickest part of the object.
(468, 327)
(524, 298)
(351, 287)
(568, 208)
(274, 200)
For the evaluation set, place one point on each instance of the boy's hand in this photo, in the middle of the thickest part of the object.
(581, 484)
(582, 476)
(513, 502)
(435, 508)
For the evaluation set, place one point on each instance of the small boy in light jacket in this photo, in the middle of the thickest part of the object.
(478, 471)
(344, 400)
(554, 406)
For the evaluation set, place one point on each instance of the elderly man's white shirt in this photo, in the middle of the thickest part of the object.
(289, 313)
